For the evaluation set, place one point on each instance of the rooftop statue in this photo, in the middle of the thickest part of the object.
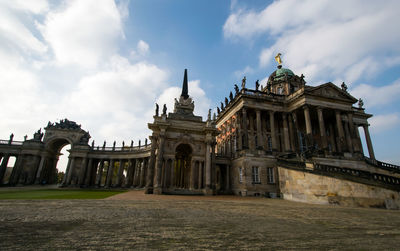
(218, 110)
(226, 102)
(209, 115)
(157, 109)
(131, 143)
(244, 82)
(257, 85)
(230, 96)
(222, 106)
(164, 111)
(236, 89)
(344, 87)
(145, 141)
(360, 103)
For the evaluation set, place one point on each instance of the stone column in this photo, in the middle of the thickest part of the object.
(356, 146)
(144, 172)
(238, 132)
(200, 175)
(369, 142)
(358, 138)
(172, 178)
(120, 172)
(3, 167)
(322, 129)
(291, 133)
(130, 173)
(245, 132)
(348, 138)
(339, 125)
(89, 172)
(193, 171)
(227, 183)
(286, 132)
(158, 169)
(272, 125)
(150, 169)
(297, 146)
(141, 173)
(259, 130)
(208, 166)
(39, 171)
(81, 178)
(71, 170)
(110, 173)
(308, 120)
(100, 173)
(64, 181)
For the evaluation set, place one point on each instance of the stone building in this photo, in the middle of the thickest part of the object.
(285, 139)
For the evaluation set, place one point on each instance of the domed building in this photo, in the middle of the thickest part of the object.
(285, 139)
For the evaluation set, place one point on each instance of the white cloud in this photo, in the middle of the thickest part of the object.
(380, 123)
(374, 96)
(143, 47)
(83, 32)
(241, 73)
(324, 39)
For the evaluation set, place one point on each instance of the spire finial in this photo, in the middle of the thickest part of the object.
(185, 91)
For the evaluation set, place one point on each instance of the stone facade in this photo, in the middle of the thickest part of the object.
(259, 144)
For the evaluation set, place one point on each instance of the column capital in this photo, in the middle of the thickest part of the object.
(306, 107)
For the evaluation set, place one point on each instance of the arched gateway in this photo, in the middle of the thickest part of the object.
(182, 150)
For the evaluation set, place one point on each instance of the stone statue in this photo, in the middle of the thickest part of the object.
(222, 106)
(268, 87)
(214, 117)
(236, 89)
(344, 87)
(25, 137)
(209, 115)
(92, 143)
(244, 82)
(164, 111)
(123, 144)
(257, 85)
(139, 143)
(38, 135)
(226, 102)
(11, 137)
(157, 109)
(360, 103)
(131, 143)
(230, 96)
(218, 110)
(114, 143)
(104, 144)
(302, 79)
(262, 87)
(145, 141)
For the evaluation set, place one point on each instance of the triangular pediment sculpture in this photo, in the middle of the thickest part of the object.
(330, 90)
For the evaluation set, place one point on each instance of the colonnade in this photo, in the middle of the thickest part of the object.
(106, 172)
(330, 130)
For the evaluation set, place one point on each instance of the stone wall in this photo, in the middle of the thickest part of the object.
(318, 189)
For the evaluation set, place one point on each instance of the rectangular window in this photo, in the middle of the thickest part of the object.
(269, 142)
(240, 175)
(271, 178)
(256, 174)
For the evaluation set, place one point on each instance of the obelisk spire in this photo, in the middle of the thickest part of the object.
(185, 91)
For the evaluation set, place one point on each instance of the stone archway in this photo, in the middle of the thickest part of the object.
(57, 135)
(183, 159)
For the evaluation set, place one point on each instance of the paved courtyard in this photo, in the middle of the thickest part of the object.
(136, 221)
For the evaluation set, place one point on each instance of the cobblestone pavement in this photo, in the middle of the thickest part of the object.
(134, 221)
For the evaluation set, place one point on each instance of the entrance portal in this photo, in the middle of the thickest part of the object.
(183, 158)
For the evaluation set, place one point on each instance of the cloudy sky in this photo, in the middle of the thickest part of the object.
(105, 63)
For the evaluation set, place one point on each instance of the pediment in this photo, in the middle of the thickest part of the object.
(330, 90)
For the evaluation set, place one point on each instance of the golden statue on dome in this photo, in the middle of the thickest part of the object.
(278, 58)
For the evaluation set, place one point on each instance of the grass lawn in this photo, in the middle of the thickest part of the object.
(59, 194)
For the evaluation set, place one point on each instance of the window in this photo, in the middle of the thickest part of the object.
(256, 174)
(271, 178)
(240, 175)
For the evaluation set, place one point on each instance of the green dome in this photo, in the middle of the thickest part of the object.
(282, 71)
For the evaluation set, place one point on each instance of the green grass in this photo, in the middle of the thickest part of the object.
(58, 194)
